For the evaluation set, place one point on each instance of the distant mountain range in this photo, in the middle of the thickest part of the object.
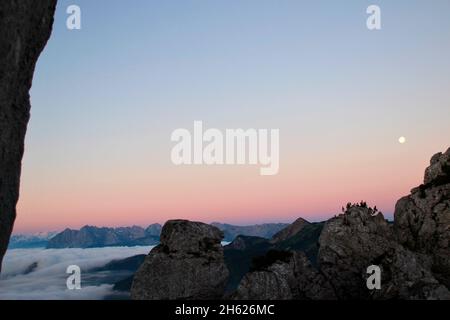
(92, 237)
(29, 241)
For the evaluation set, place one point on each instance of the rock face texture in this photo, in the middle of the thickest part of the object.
(349, 244)
(284, 275)
(359, 238)
(25, 28)
(188, 264)
(422, 219)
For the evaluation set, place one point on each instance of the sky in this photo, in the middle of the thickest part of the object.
(106, 98)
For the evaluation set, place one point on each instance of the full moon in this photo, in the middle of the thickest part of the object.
(402, 140)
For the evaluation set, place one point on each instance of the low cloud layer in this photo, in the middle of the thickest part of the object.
(47, 281)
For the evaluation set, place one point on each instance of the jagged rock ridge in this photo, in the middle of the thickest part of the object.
(357, 239)
(422, 219)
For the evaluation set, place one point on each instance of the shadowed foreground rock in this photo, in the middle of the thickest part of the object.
(422, 219)
(349, 244)
(289, 276)
(360, 238)
(188, 264)
(25, 27)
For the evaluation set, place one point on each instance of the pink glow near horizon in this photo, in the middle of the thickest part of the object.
(314, 188)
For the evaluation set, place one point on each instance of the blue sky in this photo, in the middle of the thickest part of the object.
(106, 98)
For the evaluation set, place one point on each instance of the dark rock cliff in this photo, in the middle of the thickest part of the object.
(422, 219)
(352, 242)
(25, 27)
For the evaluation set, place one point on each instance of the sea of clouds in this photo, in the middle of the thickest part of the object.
(48, 280)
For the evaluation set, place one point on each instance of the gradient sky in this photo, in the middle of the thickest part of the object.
(106, 98)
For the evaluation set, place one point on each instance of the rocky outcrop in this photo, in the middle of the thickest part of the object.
(25, 28)
(438, 173)
(360, 238)
(422, 219)
(188, 264)
(349, 244)
(284, 275)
